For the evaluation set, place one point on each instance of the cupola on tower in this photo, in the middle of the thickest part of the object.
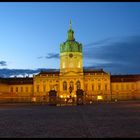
(71, 54)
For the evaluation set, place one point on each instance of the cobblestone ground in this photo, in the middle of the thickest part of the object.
(102, 120)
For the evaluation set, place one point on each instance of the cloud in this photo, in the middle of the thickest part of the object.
(40, 57)
(22, 72)
(116, 55)
(122, 55)
(52, 55)
(100, 42)
(3, 63)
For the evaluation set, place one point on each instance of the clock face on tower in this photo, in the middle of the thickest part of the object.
(70, 55)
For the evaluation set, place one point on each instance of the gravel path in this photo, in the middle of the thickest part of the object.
(104, 120)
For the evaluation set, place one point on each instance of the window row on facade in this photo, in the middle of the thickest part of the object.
(95, 87)
(123, 86)
(21, 89)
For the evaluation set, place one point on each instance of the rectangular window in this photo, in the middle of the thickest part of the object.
(116, 86)
(31, 89)
(26, 89)
(44, 88)
(37, 88)
(92, 87)
(99, 87)
(132, 86)
(21, 89)
(127, 86)
(105, 86)
(122, 87)
(85, 86)
(16, 89)
(51, 87)
(11, 89)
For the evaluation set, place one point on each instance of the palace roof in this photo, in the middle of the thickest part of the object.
(16, 80)
(125, 78)
(56, 72)
(94, 71)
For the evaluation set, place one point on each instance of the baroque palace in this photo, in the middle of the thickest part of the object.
(95, 84)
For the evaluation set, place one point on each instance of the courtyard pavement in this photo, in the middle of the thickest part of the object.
(98, 120)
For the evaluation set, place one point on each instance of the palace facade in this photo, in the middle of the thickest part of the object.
(96, 83)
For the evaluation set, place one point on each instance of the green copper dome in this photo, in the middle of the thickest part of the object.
(70, 45)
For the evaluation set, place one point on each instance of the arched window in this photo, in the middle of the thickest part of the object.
(64, 85)
(78, 84)
(72, 85)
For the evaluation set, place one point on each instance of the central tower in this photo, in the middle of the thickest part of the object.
(71, 54)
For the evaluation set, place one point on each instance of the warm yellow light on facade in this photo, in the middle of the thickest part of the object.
(34, 99)
(63, 65)
(61, 96)
(99, 97)
(79, 65)
(74, 95)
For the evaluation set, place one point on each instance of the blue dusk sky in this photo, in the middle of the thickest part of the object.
(31, 34)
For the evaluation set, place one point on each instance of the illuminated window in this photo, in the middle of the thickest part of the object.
(79, 65)
(122, 87)
(11, 89)
(78, 84)
(21, 89)
(51, 87)
(26, 89)
(132, 86)
(105, 86)
(99, 87)
(37, 88)
(92, 87)
(72, 84)
(63, 66)
(44, 88)
(116, 86)
(16, 89)
(56, 86)
(31, 89)
(86, 86)
(127, 86)
(64, 85)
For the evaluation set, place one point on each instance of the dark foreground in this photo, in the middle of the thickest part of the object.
(120, 120)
